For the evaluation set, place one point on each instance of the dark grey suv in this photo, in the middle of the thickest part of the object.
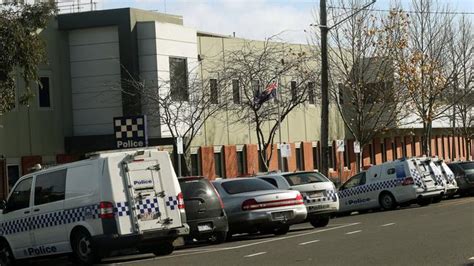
(464, 175)
(204, 210)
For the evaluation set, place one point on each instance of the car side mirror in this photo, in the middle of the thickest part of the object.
(3, 204)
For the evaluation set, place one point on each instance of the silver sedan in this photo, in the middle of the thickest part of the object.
(254, 205)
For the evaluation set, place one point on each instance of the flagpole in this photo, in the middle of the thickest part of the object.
(279, 123)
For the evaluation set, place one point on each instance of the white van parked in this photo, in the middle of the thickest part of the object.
(387, 185)
(443, 175)
(111, 201)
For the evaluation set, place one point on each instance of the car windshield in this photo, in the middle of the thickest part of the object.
(196, 188)
(468, 167)
(296, 179)
(246, 185)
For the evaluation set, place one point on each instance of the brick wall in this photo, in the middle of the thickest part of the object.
(230, 161)
(207, 162)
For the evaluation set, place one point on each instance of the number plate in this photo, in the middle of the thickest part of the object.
(315, 194)
(149, 216)
(318, 207)
(204, 227)
(279, 216)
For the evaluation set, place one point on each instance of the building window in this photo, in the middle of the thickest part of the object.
(241, 169)
(179, 79)
(384, 152)
(195, 167)
(236, 91)
(44, 92)
(332, 157)
(13, 172)
(261, 164)
(214, 92)
(299, 159)
(347, 162)
(50, 187)
(316, 158)
(255, 84)
(218, 164)
(293, 90)
(311, 99)
(394, 150)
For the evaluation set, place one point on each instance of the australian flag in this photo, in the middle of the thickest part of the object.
(267, 94)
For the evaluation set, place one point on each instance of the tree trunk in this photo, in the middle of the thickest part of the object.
(427, 126)
(468, 149)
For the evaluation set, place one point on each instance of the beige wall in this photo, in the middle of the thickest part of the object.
(302, 124)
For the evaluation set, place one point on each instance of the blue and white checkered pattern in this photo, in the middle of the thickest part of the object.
(439, 179)
(121, 209)
(49, 219)
(368, 188)
(328, 195)
(172, 202)
(417, 178)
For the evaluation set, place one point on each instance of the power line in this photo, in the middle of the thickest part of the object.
(409, 11)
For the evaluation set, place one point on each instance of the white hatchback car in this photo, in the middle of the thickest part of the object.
(319, 193)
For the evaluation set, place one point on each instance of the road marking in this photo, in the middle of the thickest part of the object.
(246, 245)
(309, 242)
(253, 255)
(387, 224)
(353, 232)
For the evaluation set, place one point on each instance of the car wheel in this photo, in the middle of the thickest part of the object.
(82, 248)
(163, 249)
(319, 221)
(424, 202)
(387, 201)
(281, 230)
(218, 237)
(6, 256)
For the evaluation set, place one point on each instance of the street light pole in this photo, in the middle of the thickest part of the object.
(324, 88)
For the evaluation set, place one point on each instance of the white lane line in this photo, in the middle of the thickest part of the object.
(246, 245)
(387, 224)
(353, 232)
(309, 242)
(253, 255)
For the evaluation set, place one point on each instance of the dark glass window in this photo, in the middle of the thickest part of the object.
(241, 163)
(255, 87)
(299, 159)
(311, 96)
(179, 79)
(44, 92)
(236, 91)
(195, 164)
(13, 172)
(271, 181)
(304, 178)
(214, 92)
(246, 185)
(355, 181)
(50, 187)
(293, 90)
(316, 158)
(218, 164)
(20, 198)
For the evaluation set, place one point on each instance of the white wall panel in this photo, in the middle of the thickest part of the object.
(94, 52)
(104, 99)
(104, 115)
(93, 35)
(95, 68)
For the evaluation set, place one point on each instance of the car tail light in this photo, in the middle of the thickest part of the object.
(219, 197)
(252, 204)
(180, 201)
(106, 210)
(408, 181)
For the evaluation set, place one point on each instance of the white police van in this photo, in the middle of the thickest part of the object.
(111, 201)
(443, 176)
(400, 182)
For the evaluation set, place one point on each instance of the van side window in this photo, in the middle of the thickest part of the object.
(20, 197)
(50, 187)
(390, 171)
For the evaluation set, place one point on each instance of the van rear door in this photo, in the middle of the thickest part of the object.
(424, 170)
(153, 194)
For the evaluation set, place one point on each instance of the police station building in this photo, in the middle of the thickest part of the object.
(84, 104)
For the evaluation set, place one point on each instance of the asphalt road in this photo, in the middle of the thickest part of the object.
(439, 234)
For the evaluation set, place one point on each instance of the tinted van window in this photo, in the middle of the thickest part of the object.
(196, 188)
(50, 187)
(246, 185)
(20, 197)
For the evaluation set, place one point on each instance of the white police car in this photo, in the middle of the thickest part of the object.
(443, 176)
(319, 193)
(91, 207)
(387, 185)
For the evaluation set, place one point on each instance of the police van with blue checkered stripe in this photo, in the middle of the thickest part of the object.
(388, 185)
(111, 201)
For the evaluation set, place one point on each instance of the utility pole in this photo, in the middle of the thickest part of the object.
(324, 88)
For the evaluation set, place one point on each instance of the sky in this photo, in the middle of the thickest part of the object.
(252, 19)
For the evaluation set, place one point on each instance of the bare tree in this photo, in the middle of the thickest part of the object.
(427, 67)
(263, 69)
(181, 104)
(463, 55)
(361, 54)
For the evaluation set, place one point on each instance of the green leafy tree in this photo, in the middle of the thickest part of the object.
(21, 47)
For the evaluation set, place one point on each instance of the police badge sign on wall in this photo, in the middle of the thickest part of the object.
(130, 132)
